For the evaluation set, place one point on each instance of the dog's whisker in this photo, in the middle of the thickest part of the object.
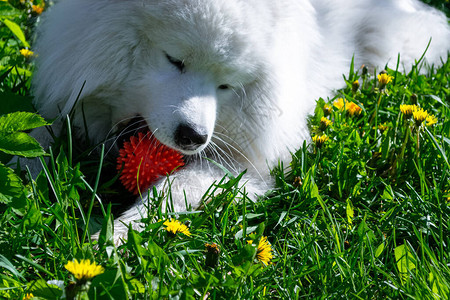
(230, 146)
(125, 131)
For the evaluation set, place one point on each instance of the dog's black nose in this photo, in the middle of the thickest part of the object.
(189, 138)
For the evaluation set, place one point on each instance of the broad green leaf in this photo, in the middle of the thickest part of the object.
(379, 250)
(16, 30)
(158, 254)
(135, 242)
(438, 285)
(111, 282)
(350, 212)
(32, 219)
(12, 191)
(20, 121)
(405, 261)
(15, 142)
(107, 234)
(20, 143)
(246, 254)
(309, 186)
(364, 231)
(40, 288)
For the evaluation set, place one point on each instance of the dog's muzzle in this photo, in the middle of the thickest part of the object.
(189, 138)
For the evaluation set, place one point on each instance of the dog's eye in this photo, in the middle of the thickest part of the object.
(177, 63)
(223, 87)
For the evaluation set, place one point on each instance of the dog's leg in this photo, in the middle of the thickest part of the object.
(187, 186)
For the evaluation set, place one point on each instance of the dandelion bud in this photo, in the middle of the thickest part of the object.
(355, 86)
(365, 70)
(28, 296)
(212, 254)
(298, 181)
(327, 109)
(413, 99)
(324, 123)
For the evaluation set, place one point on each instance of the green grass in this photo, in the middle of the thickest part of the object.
(364, 216)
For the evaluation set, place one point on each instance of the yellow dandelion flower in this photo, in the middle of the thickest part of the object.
(420, 115)
(28, 296)
(324, 123)
(26, 53)
(38, 9)
(384, 78)
(319, 140)
(174, 226)
(327, 109)
(84, 269)
(264, 251)
(383, 127)
(408, 110)
(430, 120)
(353, 109)
(339, 103)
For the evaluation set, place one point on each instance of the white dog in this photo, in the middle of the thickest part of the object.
(232, 80)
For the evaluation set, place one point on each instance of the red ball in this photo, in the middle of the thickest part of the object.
(143, 160)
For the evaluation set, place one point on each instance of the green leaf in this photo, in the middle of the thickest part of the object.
(16, 30)
(157, 254)
(405, 261)
(40, 288)
(12, 191)
(20, 143)
(20, 121)
(107, 233)
(15, 142)
(439, 286)
(7, 10)
(309, 186)
(246, 254)
(111, 282)
(379, 250)
(32, 219)
(364, 231)
(350, 212)
(6, 264)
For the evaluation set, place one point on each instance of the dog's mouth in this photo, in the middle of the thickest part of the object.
(187, 140)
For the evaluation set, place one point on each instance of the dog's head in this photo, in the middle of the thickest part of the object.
(177, 64)
(192, 61)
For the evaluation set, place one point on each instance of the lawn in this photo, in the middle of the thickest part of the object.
(361, 212)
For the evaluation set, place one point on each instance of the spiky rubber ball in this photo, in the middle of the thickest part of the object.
(143, 160)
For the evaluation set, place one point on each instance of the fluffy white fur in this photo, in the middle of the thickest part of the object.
(252, 70)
